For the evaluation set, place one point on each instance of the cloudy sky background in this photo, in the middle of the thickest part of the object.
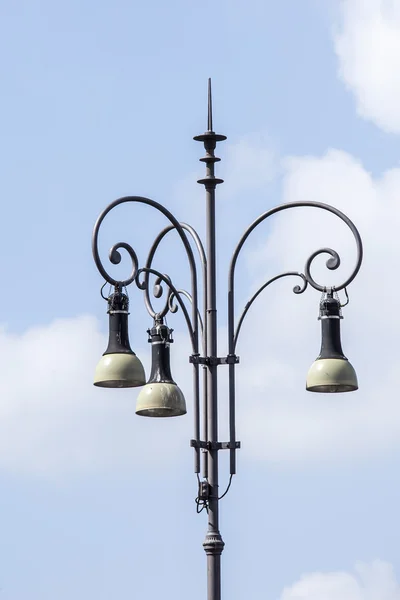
(101, 100)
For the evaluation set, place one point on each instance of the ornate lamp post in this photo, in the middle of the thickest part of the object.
(161, 397)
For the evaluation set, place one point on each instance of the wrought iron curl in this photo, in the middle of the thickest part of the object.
(174, 307)
(115, 258)
(143, 285)
(298, 289)
(332, 263)
(158, 292)
(192, 323)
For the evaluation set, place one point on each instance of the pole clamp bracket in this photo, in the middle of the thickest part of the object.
(213, 361)
(214, 445)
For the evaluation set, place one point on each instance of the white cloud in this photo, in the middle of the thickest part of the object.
(374, 581)
(368, 48)
(54, 421)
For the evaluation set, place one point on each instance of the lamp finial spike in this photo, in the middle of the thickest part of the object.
(210, 123)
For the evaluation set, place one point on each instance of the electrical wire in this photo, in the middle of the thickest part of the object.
(227, 489)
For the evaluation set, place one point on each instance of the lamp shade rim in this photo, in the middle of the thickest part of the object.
(329, 389)
(160, 412)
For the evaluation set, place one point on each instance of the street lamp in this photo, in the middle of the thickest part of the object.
(161, 397)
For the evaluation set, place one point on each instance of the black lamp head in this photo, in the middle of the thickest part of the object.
(119, 366)
(160, 397)
(331, 372)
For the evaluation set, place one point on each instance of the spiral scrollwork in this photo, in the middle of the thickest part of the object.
(332, 263)
(203, 260)
(174, 307)
(298, 289)
(143, 285)
(136, 273)
(115, 258)
(158, 291)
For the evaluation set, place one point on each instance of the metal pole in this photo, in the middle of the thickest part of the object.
(213, 544)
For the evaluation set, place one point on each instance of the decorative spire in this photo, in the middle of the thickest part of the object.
(210, 139)
(210, 124)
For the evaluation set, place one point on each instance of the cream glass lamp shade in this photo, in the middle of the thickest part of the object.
(160, 397)
(331, 372)
(331, 375)
(119, 367)
(119, 370)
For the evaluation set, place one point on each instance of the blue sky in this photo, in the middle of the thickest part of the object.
(101, 100)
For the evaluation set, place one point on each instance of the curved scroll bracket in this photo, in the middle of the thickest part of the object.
(332, 263)
(143, 285)
(173, 293)
(173, 307)
(298, 289)
(115, 258)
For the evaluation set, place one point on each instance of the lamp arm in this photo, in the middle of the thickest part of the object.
(332, 264)
(115, 256)
(193, 298)
(173, 308)
(173, 293)
(298, 289)
(199, 420)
